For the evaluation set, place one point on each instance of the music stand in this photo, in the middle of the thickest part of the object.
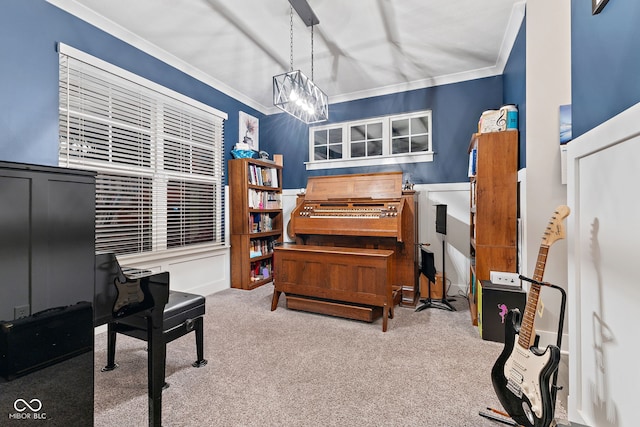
(443, 303)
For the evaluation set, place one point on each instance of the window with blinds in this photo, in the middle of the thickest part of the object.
(158, 156)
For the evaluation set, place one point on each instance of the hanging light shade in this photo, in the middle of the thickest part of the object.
(294, 92)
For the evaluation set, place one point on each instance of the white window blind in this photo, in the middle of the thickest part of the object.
(158, 155)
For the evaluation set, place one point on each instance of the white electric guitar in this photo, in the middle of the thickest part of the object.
(521, 375)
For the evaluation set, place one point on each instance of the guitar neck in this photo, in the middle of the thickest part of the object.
(527, 331)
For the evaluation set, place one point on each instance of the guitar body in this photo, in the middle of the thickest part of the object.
(521, 378)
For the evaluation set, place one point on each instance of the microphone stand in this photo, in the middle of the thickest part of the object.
(443, 303)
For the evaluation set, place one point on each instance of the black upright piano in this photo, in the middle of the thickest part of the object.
(47, 250)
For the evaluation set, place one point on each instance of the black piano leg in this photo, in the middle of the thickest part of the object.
(156, 361)
(111, 349)
(199, 344)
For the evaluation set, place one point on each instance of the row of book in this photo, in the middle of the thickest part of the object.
(261, 270)
(266, 177)
(259, 247)
(264, 199)
(259, 223)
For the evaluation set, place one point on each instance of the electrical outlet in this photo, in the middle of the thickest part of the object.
(504, 278)
(20, 311)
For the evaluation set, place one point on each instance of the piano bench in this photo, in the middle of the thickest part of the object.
(182, 314)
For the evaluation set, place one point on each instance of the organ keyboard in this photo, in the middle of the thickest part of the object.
(351, 218)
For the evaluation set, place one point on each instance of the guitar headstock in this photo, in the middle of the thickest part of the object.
(555, 230)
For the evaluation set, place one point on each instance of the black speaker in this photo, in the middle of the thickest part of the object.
(441, 219)
(45, 338)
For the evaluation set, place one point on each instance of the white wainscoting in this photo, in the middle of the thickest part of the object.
(456, 197)
(604, 293)
(200, 272)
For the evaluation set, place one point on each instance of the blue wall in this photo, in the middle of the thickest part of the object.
(605, 62)
(456, 109)
(605, 57)
(515, 87)
(30, 30)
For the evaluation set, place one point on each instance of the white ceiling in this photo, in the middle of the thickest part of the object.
(362, 48)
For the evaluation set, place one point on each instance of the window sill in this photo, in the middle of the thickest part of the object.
(158, 256)
(370, 161)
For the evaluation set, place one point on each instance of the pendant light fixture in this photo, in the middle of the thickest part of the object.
(293, 92)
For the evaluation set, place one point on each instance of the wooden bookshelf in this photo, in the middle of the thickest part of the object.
(255, 188)
(493, 207)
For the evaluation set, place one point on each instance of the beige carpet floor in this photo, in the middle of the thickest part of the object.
(290, 368)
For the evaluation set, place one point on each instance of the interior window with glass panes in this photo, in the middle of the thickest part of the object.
(366, 140)
(394, 139)
(327, 144)
(410, 135)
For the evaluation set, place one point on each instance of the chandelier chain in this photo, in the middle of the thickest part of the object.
(291, 34)
(312, 53)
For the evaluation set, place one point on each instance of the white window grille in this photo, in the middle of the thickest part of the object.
(410, 134)
(158, 156)
(405, 138)
(365, 140)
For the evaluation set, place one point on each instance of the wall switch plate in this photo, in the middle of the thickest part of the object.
(20, 311)
(504, 278)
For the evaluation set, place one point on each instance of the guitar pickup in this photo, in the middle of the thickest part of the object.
(520, 366)
(514, 388)
(516, 377)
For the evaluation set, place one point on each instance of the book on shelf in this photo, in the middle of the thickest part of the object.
(260, 247)
(261, 270)
(473, 160)
(264, 199)
(263, 176)
(254, 254)
(259, 223)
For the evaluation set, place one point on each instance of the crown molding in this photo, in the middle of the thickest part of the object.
(110, 27)
(121, 33)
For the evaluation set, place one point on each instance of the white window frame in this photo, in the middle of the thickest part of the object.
(385, 159)
(192, 144)
(365, 123)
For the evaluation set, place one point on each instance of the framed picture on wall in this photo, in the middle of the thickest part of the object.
(597, 6)
(248, 130)
(566, 133)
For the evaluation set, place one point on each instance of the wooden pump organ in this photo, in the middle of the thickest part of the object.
(355, 248)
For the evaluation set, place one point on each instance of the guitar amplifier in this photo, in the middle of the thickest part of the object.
(494, 302)
(45, 338)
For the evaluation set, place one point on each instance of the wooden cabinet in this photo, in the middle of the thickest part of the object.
(493, 207)
(255, 188)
